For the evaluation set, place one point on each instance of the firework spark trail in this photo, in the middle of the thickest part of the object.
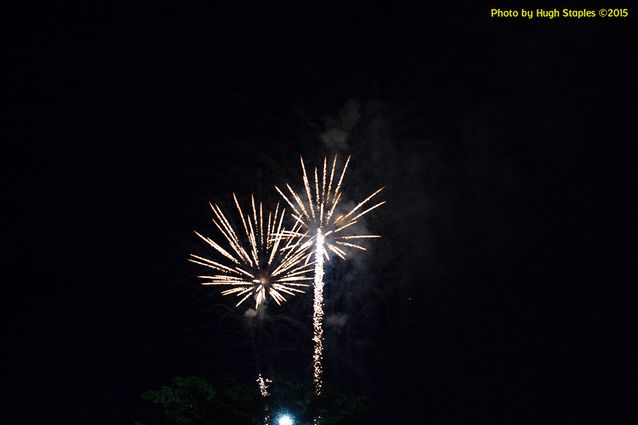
(263, 384)
(262, 261)
(317, 216)
(317, 317)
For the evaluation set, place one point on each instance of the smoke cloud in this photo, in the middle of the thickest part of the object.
(250, 313)
(338, 129)
(336, 320)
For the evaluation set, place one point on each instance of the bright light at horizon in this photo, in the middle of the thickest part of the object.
(285, 420)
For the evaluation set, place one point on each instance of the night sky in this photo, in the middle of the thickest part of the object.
(498, 293)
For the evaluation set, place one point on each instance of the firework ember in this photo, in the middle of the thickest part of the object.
(263, 384)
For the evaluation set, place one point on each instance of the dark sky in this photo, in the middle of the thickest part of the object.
(497, 294)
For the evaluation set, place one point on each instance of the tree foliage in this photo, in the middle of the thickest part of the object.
(193, 401)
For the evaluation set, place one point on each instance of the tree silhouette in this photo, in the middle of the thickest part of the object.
(194, 401)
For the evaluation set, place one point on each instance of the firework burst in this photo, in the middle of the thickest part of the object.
(317, 213)
(263, 261)
(319, 209)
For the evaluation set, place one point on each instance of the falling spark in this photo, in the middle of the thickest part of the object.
(318, 214)
(263, 384)
(260, 262)
(266, 415)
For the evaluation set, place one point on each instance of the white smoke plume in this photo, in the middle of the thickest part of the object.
(338, 129)
(336, 320)
(250, 313)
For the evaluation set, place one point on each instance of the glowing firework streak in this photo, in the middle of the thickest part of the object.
(263, 386)
(263, 391)
(320, 213)
(317, 316)
(266, 260)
